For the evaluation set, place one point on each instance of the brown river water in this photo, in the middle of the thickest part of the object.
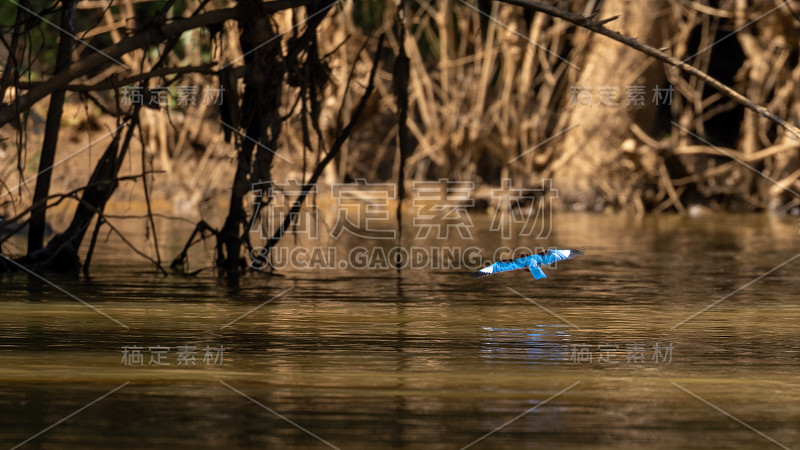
(607, 352)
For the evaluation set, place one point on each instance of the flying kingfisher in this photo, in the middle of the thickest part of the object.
(530, 262)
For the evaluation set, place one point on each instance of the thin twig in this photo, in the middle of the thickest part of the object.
(597, 27)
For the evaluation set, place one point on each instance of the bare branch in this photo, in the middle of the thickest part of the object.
(96, 61)
(597, 26)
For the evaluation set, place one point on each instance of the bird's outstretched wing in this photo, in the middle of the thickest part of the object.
(500, 266)
(553, 255)
(537, 271)
(531, 263)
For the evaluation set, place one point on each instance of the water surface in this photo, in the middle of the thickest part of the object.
(424, 358)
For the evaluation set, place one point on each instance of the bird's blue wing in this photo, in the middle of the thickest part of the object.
(553, 255)
(536, 271)
(506, 265)
(500, 266)
(532, 263)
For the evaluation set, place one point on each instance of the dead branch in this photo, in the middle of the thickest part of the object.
(157, 33)
(206, 69)
(597, 26)
(180, 261)
(337, 145)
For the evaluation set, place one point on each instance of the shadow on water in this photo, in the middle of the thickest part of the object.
(423, 358)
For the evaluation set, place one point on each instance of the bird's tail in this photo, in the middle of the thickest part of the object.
(479, 274)
(575, 252)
